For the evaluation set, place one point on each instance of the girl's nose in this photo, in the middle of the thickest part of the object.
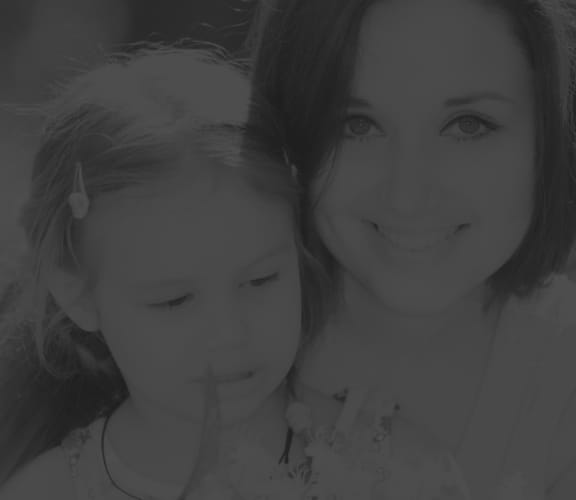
(226, 328)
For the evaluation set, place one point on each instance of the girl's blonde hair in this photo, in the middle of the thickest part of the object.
(129, 122)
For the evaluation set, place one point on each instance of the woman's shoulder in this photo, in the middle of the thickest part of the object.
(47, 476)
(553, 304)
(543, 327)
(547, 324)
(541, 331)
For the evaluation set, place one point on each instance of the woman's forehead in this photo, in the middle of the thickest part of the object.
(446, 47)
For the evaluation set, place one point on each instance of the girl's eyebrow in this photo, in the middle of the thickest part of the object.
(273, 252)
(180, 280)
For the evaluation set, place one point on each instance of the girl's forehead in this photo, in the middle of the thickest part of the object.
(178, 224)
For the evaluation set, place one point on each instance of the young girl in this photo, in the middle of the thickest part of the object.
(162, 242)
(165, 258)
(435, 146)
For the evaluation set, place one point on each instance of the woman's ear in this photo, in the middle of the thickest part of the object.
(71, 293)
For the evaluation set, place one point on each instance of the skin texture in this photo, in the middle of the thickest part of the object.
(439, 134)
(190, 278)
(191, 271)
(430, 193)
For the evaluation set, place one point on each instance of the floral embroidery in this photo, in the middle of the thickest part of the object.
(72, 447)
(351, 461)
(513, 488)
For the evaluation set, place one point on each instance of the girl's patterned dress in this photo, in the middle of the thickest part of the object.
(247, 472)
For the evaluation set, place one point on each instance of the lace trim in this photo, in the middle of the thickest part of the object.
(73, 446)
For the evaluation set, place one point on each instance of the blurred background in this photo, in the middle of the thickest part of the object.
(44, 41)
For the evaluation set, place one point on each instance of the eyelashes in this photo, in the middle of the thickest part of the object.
(265, 280)
(173, 303)
(471, 127)
(465, 127)
(182, 300)
(361, 128)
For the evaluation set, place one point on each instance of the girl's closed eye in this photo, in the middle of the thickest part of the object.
(361, 128)
(173, 303)
(262, 281)
(469, 127)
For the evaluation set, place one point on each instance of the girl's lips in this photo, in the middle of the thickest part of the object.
(234, 377)
(228, 378)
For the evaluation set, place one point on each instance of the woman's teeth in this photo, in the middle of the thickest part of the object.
(417, 241)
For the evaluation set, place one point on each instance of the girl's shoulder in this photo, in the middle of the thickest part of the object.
(80, 450)
(64, 472)
(48, 476)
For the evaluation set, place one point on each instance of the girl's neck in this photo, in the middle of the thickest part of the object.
(165, 449)
(363, 314)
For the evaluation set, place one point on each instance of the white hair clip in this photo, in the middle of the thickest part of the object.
(78, 200)
(293, 169)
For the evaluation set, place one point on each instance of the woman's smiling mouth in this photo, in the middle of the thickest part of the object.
(417, 240)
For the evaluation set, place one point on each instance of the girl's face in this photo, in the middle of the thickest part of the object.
(431, 190)
(194, 271)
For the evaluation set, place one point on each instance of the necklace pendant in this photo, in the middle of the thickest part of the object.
(323, 434)
(338, 442)
(341, 395)
(384, 425)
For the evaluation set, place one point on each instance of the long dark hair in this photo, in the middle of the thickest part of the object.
(303, 59)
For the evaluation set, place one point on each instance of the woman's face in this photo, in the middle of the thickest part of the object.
(431, 190)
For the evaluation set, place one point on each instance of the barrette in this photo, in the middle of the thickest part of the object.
(293, 169)
(78, 200)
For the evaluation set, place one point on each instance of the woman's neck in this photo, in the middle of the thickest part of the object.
(165, 449)
(366, 316)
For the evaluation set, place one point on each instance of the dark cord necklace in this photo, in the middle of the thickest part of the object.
(105, 463)
(284, 458)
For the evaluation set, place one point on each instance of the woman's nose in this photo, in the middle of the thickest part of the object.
(405, 189)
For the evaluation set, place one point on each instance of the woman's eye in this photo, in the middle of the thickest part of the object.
(264, 280)
(360, 127)
(173, 303)
(469, 127)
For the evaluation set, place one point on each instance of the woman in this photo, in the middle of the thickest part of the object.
(435, 140)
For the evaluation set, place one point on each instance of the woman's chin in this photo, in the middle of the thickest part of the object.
(418, 299)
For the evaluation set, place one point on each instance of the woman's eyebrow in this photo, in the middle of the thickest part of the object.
(476, 97)
(359, 103)
(362, 103)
